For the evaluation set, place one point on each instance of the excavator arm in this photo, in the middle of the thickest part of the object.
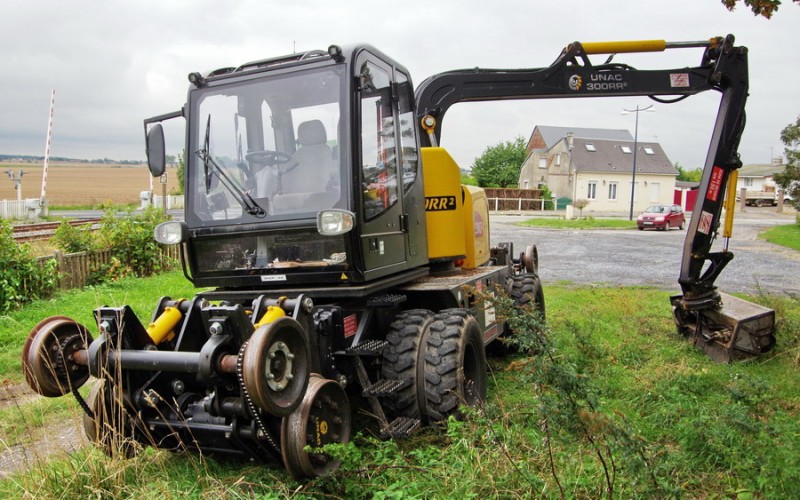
(723, 326)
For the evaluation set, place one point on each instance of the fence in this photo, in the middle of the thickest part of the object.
(520, 204)
(173, 201)
(517, 199)
(75, 269)
(19, 209)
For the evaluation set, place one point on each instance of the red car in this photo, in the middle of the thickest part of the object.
(661, 217)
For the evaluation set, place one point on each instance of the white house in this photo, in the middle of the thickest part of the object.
(597, 165)
(759, 177)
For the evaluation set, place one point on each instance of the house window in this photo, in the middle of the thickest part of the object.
(592, 191)
(590, 147)
(612, 190)
(655, 191)
(558, 159)
(626, 149)
(649, 150)
(748, 181)
(542, 162)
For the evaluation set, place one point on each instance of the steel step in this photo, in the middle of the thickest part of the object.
(401, 427)
(368, 348)
(383, 387)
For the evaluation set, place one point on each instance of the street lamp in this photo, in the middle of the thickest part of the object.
(635, 147)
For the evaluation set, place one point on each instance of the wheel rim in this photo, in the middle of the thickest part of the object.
(47, 356)
(322, 418)
(275, 367)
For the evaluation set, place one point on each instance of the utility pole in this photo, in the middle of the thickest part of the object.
(17, 180)
(635, 147)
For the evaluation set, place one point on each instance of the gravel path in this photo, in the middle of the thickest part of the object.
(653, 258)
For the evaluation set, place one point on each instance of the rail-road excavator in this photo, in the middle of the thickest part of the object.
(344, 265)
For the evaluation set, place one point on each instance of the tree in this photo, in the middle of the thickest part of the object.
(759, 7)
(499, 165)
(686, 175)
(181, 170)
(789, 180)
(580, 205)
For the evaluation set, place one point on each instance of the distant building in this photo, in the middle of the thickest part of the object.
(597, 165)
(760, 177)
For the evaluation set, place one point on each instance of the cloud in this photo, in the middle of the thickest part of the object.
(113, 64)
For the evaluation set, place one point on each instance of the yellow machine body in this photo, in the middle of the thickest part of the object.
(476, 223)
(444, 209)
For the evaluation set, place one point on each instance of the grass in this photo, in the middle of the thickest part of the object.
(582, 223)
(787, 235)
(674, 423)
(140, 294)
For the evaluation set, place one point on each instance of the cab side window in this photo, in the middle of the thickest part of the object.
(378, 155)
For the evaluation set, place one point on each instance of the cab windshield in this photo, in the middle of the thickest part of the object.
(266, 149)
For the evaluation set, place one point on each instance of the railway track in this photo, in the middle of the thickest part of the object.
(45, 230)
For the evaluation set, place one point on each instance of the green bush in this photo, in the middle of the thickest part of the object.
(130, 238)
(71, 239)
(22, 279)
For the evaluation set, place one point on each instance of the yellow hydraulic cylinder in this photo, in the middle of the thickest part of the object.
(730, 204)
(162, 328)
(273, 313)
(626, 46)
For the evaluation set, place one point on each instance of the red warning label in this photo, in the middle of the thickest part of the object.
(350, 325)
(715, 184)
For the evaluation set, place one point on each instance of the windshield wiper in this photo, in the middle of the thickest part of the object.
(243, 197)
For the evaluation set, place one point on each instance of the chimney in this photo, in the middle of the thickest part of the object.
(570, 136)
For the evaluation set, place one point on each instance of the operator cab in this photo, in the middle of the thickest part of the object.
(301, 169)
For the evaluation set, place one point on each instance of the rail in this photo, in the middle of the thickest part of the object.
(45, 230)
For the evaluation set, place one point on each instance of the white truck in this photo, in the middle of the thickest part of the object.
(760, 198)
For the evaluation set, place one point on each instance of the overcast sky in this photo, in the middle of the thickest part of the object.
(114, 63)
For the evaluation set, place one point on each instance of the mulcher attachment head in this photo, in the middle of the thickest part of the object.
(734, 330)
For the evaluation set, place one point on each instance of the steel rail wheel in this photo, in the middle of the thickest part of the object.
(47, 356)
(110, 427)
(322, 418)
(276, 366)
(530, 259)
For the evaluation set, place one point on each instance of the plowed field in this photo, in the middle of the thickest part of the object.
(83, 184)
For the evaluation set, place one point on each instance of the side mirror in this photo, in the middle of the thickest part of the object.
(156, 159)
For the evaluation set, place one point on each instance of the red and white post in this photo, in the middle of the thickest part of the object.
(47, 147)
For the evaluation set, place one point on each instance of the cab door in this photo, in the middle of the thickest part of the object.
(383, 239)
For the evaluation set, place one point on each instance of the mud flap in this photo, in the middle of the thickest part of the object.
(736, 330)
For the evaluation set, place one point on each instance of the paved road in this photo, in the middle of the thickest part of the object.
(624, 257)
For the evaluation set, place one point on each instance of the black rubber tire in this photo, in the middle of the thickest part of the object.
(683, 222)
(400, 358)
(667, 226)
(452, 368)
(527, 288)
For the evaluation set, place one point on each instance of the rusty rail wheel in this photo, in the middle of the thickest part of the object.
(322, 418)
(49, 356)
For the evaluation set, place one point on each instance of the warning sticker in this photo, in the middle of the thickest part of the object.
(705, 222)
(715, 184)
(679, 79)
(350, 325)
